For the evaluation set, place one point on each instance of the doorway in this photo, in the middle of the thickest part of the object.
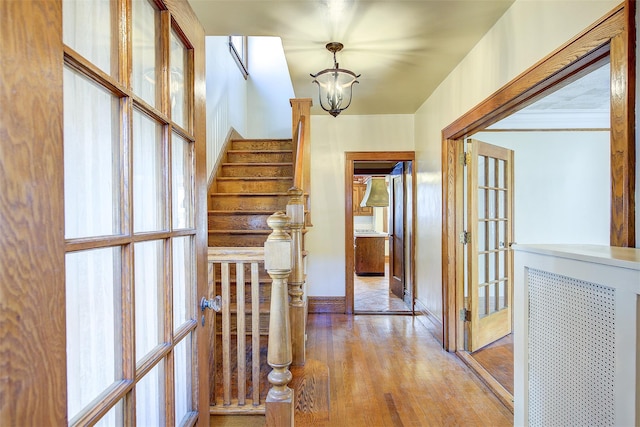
(544, 78)
(379, 240)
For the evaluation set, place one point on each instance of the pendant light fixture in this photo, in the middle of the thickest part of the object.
(335, 85)
(376, 194)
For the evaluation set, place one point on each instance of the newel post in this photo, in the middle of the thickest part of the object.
(277, 262)
(297, 309)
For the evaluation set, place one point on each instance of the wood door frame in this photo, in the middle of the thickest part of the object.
(350, 158)
(612, 36)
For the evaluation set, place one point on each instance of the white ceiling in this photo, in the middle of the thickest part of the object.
(582, 104)
(402, 48)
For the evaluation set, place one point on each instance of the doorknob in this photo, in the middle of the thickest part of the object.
(214, 304)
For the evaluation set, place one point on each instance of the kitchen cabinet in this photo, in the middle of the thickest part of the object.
(358, 195)
(369, 255)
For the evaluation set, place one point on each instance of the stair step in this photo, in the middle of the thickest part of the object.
(264, 323)
(266, 202)
(237, 240)
(259, 156)
(263, 184)
(257, 169)
(237, 220)
(261, 144)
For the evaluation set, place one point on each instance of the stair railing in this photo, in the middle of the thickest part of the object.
(221, 265)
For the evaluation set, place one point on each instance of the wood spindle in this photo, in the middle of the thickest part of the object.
(255, 332)
(295, 211)
(277, 248)
(241, 334)
(226, 334)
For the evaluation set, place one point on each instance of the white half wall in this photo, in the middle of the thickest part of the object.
(330, 139)
(562, 185)
(526, 33)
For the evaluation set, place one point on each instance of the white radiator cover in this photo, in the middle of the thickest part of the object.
(576, 335)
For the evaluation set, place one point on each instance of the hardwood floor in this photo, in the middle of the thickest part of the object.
(371, 295)
(390, 371)
(497, 359)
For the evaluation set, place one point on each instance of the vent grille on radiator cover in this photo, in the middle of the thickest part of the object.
(571, 351)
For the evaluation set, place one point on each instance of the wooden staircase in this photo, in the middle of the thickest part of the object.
(251, 184)
(255, 181)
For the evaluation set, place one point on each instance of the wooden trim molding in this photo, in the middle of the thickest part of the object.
(429, 320)
(611, 37)
(331, 305)
(350, 158)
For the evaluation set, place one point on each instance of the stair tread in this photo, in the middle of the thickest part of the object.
(277, 150)
(252, 212)
(254, 178)
(259, 164)
(254, 231)
(279, 193)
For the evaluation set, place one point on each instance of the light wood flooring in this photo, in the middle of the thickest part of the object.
(371, 295)
(391, 371)
(497, 359)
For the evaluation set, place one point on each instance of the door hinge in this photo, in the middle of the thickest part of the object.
(466, 159)
(465, 237)
(465, 315)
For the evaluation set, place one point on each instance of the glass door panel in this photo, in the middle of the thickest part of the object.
(182, 182)
(87, 29)
(183, 280)
(150, 402)
(91, 158)
(177, 93)
(149, 292)
(145, 38)
(183, 371)
(148, 166)
(93, 325)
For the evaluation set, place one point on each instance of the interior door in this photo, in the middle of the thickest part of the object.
(396, 236)
(133, 225)
(490, 230)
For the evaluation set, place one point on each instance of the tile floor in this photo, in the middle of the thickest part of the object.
(371, 294)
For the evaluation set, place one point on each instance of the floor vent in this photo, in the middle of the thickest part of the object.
(571, 351)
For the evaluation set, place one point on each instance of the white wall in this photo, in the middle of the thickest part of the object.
(257, 107)
(226, 97)
(562, 191)
(331, 138)
(525, 34)
(269, 90)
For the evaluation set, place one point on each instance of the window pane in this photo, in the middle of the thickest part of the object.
(87, 30)
(91, 153)
(182, 357)
(178, 62)
(149, 310)
(93, 327)
(182, 182)
(144, 38)
(182, 280)
(148, 188)
(150, 398)
(113, 418)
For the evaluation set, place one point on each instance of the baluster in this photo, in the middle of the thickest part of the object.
(277, 262)
(297, 312)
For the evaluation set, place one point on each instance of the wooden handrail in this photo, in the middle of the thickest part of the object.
(299, 141)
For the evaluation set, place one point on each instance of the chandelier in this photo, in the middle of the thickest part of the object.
(335, 84)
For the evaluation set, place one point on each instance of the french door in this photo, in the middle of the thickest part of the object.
(133, 231)
(489, 281)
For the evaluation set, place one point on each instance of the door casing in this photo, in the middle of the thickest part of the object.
(350, 158)
(612, 36)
